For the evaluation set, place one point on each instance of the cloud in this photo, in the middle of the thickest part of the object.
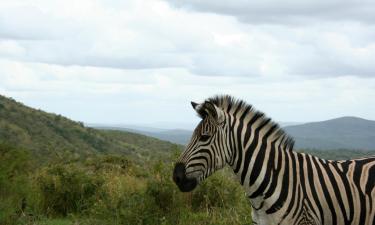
(291, 12)
(153, 35)
(117, 61)
(106, 95)
(28, 22)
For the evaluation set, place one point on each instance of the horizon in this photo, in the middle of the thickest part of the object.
(168, 125)
(180, 126)
(142, 62)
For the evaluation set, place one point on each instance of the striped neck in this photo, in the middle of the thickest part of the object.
(257, 145)
(258, 148)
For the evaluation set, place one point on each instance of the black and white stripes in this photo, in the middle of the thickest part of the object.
(283, 186)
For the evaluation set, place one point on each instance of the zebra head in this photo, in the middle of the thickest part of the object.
(207, 150)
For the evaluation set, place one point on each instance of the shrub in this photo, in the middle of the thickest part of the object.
(67, 189)
(161, 188)
(15, 186)
(218, 190)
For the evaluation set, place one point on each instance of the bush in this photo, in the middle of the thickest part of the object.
(121, 199)
(161, 188)
(101, 189)
(16, 195)
(67, 189)
(218, 190)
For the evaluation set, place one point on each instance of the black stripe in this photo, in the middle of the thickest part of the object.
(336, 191)
(325, 191)
(362, 199)
(276, 172)
(249, 152)
(294, 184)
(239, 142)
(284, 188)
(310, 177)
(259, 160)
(267, 176)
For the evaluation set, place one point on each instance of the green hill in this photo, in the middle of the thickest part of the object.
(57, 171)
(339, 133)
(350, 133)
(47, 135)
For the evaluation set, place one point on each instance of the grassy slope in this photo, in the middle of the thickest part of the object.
(48, 135)
(341, 133)
(344, 132)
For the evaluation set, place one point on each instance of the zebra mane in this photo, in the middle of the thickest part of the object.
(227, 102)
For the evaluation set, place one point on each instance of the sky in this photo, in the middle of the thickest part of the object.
(143, 61)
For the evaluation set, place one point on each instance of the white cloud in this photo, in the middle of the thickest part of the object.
(135, 96)
(152, 34)
(117, 61)
(292, 12)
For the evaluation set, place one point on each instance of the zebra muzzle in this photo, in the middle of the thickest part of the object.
(179, 177)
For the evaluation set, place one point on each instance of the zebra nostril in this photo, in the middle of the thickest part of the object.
(184, 183)
(179, 173)
(177, 180)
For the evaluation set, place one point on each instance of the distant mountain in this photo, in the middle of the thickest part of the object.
(126, 127)
(177, 136)
(344, 132)
(47, 135)
(340, 133)
(285, 124)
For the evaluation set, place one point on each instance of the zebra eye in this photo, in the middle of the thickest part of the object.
(204, 137)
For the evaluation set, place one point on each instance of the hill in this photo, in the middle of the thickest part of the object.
(177, 136)
(48, 134)
(344, 132)
(99, 176)
(340, 133)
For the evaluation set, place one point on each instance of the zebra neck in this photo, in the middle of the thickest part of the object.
(258, 152)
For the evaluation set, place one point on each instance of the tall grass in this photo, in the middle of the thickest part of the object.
(111, 190)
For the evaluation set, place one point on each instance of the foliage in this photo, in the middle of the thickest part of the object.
(219, 191)
(338, 154)
(15, 184)
(49, 136)
(67, 189)
(113, 189)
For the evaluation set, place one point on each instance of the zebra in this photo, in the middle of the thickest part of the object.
(283, 186)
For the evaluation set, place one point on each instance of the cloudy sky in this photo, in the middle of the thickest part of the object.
(143, 61)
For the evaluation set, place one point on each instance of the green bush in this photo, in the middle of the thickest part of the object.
(218, 190)
(67, 189)
(16, 195)
(107, 189)
(161, 188)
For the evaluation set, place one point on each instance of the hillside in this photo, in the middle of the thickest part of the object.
(344, 132)
(177, 136)
(47, 134)
(56, 171)
(340, 133)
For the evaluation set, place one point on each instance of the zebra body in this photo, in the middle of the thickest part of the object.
(283, 186)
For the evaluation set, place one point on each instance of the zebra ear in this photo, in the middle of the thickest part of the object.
(199, 109)
(194, 105)
(215, 112)
(209, 109)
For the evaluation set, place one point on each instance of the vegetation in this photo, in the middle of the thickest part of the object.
(338, 154)
(48, 135)
(340, 133)
(110, 189)
(56, 171)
